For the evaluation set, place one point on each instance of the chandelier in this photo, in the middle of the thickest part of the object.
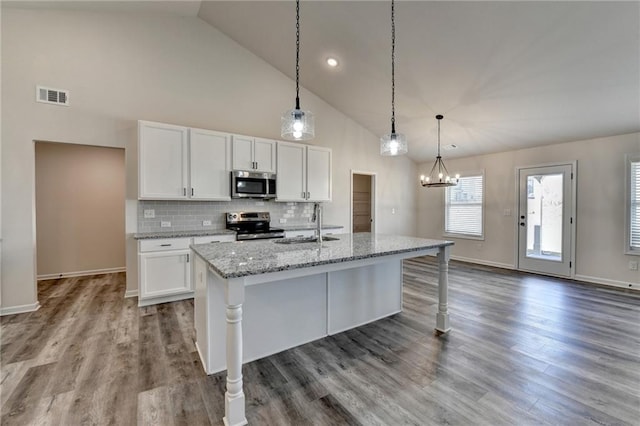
(297, 124)
(393, 143)
(439, 175)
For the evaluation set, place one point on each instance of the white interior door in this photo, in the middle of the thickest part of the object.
(545, 221)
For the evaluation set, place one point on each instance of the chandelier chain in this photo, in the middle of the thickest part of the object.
(393, 67)
(297, 48)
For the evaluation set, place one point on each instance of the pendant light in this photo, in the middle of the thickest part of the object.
(297, 124)
(439, 175)
(393, 143)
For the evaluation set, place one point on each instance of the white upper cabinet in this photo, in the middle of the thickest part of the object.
(162, 161)
(253, 154)
(304, 172)
(292, 169)
(178, 163)
(209, 161)
(318, 173)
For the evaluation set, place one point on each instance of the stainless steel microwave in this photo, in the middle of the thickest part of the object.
(253, 184)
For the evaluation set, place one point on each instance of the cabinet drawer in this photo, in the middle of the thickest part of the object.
(164, 244)
(213, 239)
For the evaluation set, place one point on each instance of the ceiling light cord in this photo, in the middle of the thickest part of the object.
(297, 54)
(393, 68)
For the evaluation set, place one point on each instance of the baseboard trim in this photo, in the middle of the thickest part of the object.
(20, 309)
(483, 262)
(165, 299)
(81, 273)
(605, 281)
(130, 293)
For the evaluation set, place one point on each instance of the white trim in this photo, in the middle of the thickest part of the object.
(574, 213)
(628, 159)
(165, 299)
(20, 309)
(483, 262)
(81, 273)
(472, 173)
(130, 293)
(374, 199)
(606, 281)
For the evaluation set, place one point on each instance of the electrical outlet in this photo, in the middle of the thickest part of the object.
(633, 265)
(165, 224)
(149, 213)
(393, 211)
(283, 220)
(206, 223)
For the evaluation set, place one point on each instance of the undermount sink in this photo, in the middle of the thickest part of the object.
(300, 240)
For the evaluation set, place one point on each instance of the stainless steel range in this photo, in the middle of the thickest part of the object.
(252, 226)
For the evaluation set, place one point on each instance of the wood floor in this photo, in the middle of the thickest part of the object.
(524, 350)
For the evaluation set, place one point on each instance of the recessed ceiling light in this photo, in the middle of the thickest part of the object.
(332, 62)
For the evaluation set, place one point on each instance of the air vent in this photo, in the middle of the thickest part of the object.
(48, 95)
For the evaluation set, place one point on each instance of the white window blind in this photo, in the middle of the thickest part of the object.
(464, 207)
(634, 205)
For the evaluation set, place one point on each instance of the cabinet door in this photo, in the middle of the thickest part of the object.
(164, 273)
(242, 152)
(210, 162)
(319, 173)
(291, 172)
(264, 155)
(162, 161)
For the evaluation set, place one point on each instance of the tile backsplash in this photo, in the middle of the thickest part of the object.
(190, 215)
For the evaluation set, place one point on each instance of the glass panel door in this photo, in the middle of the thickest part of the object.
(544, 220)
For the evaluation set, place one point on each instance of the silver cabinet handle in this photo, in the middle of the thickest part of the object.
(304, 195)
(187, 257)
(165, 245)
(184, 191)
(192, 192)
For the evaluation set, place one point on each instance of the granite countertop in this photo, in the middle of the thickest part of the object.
(244, 258)
(306, 226)
(180, 234)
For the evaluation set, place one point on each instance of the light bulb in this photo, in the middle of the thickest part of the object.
(297, 133)
(447, 179)
(457, 176)
(422, 178)
(440, 176)
(427, 179)
(298, 126)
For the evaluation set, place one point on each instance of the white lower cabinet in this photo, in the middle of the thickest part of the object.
(165, 267)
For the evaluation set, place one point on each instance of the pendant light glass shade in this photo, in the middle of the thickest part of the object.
(297, 125)
(439, 175)
(393, 143)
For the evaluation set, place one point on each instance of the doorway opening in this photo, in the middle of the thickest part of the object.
(80, 210)
(363, 202)
(546, 219)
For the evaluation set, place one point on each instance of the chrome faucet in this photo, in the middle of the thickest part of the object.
(317, 218)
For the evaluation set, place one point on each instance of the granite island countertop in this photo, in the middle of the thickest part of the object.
(182, 234)
(244, 258)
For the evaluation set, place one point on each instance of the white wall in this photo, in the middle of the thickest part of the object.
(122, 68)
(600, 206)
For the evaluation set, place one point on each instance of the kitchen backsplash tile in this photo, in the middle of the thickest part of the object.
(190, 215)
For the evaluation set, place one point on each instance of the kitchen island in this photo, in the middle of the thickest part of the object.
(257, 298)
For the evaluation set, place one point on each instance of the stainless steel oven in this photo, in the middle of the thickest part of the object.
(253, 184)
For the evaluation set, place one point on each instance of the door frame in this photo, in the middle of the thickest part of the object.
(374, 198)
(574, 211)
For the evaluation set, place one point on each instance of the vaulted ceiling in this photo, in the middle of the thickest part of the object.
(505, 75)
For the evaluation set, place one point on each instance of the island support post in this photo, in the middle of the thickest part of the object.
(234, 396)
(442, 317)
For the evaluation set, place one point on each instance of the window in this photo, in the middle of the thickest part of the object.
(633, 204)
(464, 207)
